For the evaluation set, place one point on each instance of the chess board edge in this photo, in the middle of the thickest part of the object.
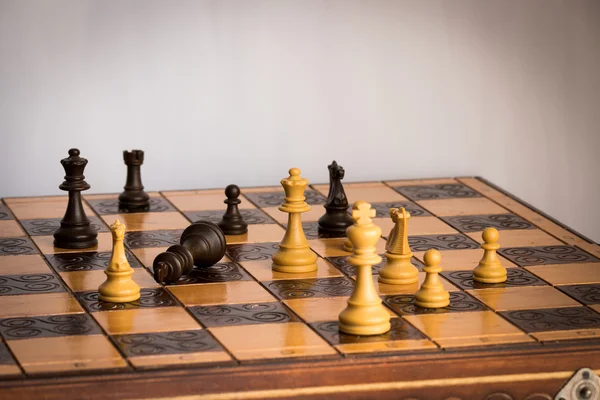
(543, 370)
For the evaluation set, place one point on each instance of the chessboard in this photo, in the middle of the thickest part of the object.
(240, 327)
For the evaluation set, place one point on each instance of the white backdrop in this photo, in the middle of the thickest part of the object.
(220, 91)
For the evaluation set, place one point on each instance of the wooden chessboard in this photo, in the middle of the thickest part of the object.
(238, 326)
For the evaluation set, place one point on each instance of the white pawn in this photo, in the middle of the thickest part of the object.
(432, 293)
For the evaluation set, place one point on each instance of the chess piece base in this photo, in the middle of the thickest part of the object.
(489, 275)
(398, 270)
(334, 223)
(294, 260)
(365, 320)
(75, 236)
(119, 287)
(432, 298)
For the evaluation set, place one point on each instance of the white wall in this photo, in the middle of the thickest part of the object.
(239, 91)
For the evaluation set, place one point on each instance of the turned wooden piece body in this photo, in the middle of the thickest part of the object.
(134, 199)
(232, 222)
(336, 219)
(75, 231)
(202, 244)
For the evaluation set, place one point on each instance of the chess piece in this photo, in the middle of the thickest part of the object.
(294, 254)
(75, 231)
(232, 222)
(432, 293)
(489, 269)
(364, 315)
(336, 220)
(134, 199)
(398, 269)
(119, 287)
(202, 244)
(347, 246)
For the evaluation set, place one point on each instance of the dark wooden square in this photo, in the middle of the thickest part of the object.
(404, 304)
(514, 277)
(242, 314)
(6, 357)
(159, 238)
(160, 343)
(17, 246)
(111, 206)
(150, 298)
(450, 241)
(553, 319)
(87, 261)
(47, 226)
(252, 251)
(400, 330)
(5, 213)
(341, 263)
(251, 216)
(305, 288)
(48, 326)
(276, 198)
(540, 255)
(441, 191)
(477, 223)
(29, 284)
(220, 272)
(586, 294)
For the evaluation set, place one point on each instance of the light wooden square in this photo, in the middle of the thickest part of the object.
(315, 212)
(258, 233)
(521, 238)
(334, 247)
(41, 207)
(523, 298)
(10, 228)
(66, 353)
(320, 309)
(453, 260)
(292, 339)
(461, 206)
(23, 265)
(417, 226)
(38, 304)
(141, 320)
(263, 271)
(462, 325)
(387, 289)
(221, 293)
(148, 221)
(568, 274)
(46, 244)
(201, 201)
(81, 281)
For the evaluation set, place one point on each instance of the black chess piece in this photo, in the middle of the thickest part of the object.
(233, 222)
(202, 244)
(336, 219)
(134, 199)
(75, 231)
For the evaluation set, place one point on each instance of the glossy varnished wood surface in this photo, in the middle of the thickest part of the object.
(486, 352)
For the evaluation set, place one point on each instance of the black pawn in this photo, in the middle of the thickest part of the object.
(232, 222)
(202, 244)
(336, 219)
(75, 231)
(134, 199)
